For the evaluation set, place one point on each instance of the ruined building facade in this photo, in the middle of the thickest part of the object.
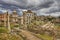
(15, 19)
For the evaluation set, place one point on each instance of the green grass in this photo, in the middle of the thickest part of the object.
(3, 30)
(57, 26)
(45, 37)
(6, 36)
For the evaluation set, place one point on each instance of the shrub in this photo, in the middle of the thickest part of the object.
(3, 30)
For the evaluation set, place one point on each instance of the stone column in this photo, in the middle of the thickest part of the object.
(5, 20)
(8, 22)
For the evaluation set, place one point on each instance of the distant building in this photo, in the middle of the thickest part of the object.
(28, 16)
(3, 19)
(21, 20)
(14, 18)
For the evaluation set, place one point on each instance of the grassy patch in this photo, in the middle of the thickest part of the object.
(6, 36)
(3, 30)
(45, 37)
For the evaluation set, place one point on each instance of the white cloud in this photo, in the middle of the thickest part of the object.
(33, 2)
(40, 5)
(55, 14)
(53, 10)
(4, 10)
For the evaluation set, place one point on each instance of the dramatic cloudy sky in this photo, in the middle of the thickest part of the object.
(41, 7)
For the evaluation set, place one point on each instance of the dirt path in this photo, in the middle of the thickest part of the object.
(28, 35)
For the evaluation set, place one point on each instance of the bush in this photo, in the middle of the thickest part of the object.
(16, 26)
(12, 26)
(1, 26)
(3, 30)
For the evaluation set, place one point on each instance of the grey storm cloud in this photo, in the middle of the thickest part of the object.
(40, 6)
(29, 4)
